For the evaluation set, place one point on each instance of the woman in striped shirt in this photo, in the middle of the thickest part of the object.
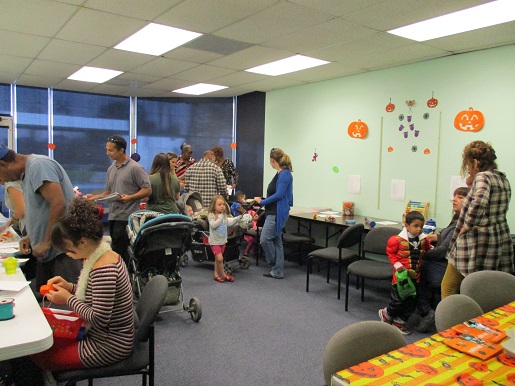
(102, 296)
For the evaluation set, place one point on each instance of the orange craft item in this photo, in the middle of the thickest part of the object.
(358, 129)
(469, 120)
(44, 289)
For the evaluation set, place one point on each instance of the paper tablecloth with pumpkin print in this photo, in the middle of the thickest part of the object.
(431, 362)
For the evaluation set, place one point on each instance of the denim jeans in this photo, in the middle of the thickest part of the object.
(273, 246)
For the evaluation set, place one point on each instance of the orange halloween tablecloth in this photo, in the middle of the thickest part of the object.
(430, 362)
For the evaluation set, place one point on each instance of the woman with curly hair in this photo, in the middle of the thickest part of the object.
(165, 186)
(102, 296)
(227, 166)
(481, 240)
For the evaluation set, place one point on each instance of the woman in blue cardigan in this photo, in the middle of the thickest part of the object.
(277, 207)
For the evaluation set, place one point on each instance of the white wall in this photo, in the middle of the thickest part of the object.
(302, 118)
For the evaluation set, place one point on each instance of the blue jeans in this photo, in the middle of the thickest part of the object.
(273, 246)
(431, 274)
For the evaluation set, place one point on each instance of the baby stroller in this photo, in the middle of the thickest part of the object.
(157, 241)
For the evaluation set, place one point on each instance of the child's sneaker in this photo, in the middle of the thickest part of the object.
(383, 315)
(401, 325)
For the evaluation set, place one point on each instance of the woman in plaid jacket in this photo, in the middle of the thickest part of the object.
(481, 240)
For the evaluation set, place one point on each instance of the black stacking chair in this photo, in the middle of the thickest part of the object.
(297, 242)
(341, 254)
(374, 264)
(141, 360)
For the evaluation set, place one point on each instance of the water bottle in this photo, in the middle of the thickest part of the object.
(430, 226)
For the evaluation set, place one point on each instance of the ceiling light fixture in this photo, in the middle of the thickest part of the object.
(287, 65)
(94, 74)
(156, 39)
(481, 16)
(199, 89)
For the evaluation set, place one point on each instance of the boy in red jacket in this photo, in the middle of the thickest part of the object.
(405, 251)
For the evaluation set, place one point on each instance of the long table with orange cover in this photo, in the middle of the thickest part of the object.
(431, 362)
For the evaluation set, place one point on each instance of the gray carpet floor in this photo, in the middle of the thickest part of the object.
(256, 330)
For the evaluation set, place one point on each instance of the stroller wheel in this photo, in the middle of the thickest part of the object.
(183, 260)
(227, 267)
(244, 263)
(195, 309)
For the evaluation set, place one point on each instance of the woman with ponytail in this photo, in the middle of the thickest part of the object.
(277, 208)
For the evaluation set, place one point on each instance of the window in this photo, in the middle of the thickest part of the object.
(165, 123)
(82, 124)
(32, 124)
(5, 99)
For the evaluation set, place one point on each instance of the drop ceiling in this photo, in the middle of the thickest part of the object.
(42, 42)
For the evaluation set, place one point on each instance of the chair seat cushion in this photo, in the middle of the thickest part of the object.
(135, 362)
(295, 238)
(371, 269)
(332, 253)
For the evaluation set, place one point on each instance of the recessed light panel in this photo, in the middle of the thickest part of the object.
(156, 39)
(199, 89)
(485, 15)
(94, 74)
(287, 65)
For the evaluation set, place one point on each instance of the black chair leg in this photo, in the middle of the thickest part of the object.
(328, 270)
(362, 289)
(308, 268)
(347, 292)
(339, 277)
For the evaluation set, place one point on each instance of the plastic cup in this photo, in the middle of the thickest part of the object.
(10, 265)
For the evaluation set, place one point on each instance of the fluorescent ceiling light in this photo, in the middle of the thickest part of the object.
(485, 15)
(284, 66)
(156, 39)
(199, 89)
(94, 74)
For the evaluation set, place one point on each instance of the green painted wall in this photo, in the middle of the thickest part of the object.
(316, 116)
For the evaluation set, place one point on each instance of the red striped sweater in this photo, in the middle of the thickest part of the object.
(107, 308)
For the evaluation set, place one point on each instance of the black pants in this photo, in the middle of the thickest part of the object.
(62, 265)
(119, 238)
(401, 308)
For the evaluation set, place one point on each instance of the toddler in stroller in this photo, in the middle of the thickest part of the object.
(157, 241)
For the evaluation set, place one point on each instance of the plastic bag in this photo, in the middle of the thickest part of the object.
(405, 286)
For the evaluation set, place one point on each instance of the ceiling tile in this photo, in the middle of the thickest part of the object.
(280, 19)
(326, 34)
(168, 84)
(117, 28)
(251, 57)
(202, 73)
(43, 18)
(377, 42)
(38, 81)
(191, 55)
(139, 78)
(208, 16)
(273, 83)
(13, 64)
(51, 69)
(18, 44)
(120, 60)
(163, 67)
(145, 10)
(327, 71)
(239, 78)
(8, 77)
(336, 7)
(69, 52)
(75, 85)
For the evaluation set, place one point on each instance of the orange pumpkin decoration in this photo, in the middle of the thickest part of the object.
(479, 366)
(358, 129)
(433, 102)
(390, 149)
(508, 308)
(390, 107)
(426, 369)
(415, 351)
(367, 370)
(427, 151)
(466, 379)
(469, 120)
(506, 360)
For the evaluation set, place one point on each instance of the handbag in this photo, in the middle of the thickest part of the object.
(405, 286)
(64, 323)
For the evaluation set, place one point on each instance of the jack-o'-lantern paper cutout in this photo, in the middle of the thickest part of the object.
(415, 351)
(367, 370)
(469, 120)
(357, 129)
(433, 102)
(390, 107)
(51, 146)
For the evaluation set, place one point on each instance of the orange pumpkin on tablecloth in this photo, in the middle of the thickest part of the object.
(469, 120)
(479, 366)
(426, 369)
(367, 370)
(466, 379)
(415, 351)
(357, 129)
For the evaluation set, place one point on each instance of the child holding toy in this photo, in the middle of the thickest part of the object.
(405, 252)
(219, 222)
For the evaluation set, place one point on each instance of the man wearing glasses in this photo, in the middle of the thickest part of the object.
(129, 180)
